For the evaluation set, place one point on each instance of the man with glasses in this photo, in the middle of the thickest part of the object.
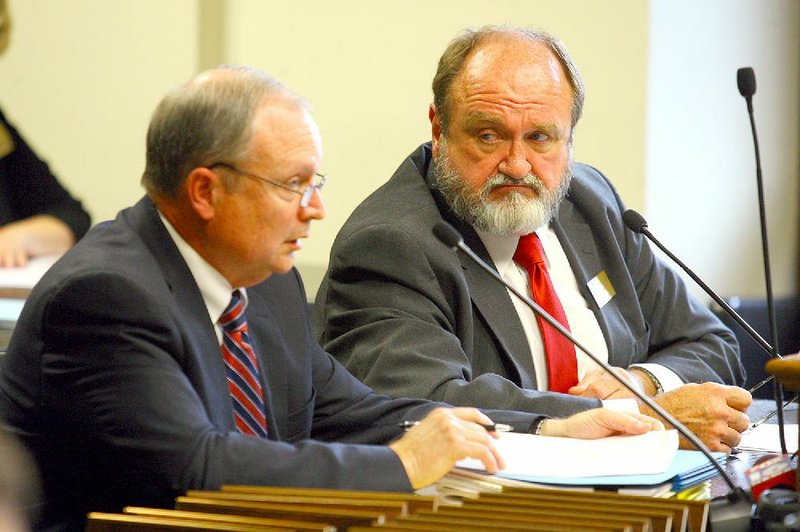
(171, 349)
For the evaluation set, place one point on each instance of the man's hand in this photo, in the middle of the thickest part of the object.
(714, 412)
(600, 385)
(430, 450)
(599, 423)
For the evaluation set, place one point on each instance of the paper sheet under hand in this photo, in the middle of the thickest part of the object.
(530, 455)
(765, 438)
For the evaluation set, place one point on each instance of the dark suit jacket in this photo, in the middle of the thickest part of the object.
(410, 317)
(115, 381)
(28, 188)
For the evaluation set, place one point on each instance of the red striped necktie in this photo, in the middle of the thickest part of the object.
(562, 365)
(242, 369)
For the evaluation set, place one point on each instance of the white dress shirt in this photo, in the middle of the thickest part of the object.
(215, 289)
(582, 321)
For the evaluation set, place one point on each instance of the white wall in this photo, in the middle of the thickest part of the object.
(701, 196)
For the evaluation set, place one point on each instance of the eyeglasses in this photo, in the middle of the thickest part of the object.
(293, 185)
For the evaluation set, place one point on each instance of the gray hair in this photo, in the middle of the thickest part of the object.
(207, 120)
(456, 53)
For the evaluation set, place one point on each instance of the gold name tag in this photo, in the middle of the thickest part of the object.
(601, 289)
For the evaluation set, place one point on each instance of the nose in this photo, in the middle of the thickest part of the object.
(515, 164)
(315, 209)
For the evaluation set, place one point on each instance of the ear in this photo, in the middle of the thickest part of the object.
(436, 128)
(202, 188)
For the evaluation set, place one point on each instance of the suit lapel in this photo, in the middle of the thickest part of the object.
(490, 299)
(575, 237)
(494, 303)
(202, 359)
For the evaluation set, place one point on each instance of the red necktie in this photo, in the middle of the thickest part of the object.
(562, 366)
(242, 369)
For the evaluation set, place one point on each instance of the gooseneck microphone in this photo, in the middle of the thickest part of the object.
(746, 81)
(731, 512)
(636, 223)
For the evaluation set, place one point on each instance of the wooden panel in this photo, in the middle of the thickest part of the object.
(506, 507)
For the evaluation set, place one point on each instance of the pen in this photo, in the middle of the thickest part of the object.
(494, 427)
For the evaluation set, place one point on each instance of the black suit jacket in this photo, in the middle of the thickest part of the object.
(115, 381)
(411, 317)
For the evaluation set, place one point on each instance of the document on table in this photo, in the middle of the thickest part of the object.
(27, 276)
(765, 438)
(529, 455)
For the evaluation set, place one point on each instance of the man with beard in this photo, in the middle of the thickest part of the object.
(409, 316)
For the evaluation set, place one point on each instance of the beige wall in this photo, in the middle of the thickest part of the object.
(367, 68)
(80, 80)
(82, 77)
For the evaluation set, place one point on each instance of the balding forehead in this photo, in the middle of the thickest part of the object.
(511, 57)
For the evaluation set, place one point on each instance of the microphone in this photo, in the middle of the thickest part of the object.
(746, 80)
(636, 223)
(731, 512)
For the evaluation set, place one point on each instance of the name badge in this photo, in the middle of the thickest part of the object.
(601, 289)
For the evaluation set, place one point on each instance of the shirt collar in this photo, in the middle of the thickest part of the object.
(214, 288)
(501, 248)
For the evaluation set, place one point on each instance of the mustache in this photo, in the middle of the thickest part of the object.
(501, 180)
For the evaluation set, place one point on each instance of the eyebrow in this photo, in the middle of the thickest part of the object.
(480, 118)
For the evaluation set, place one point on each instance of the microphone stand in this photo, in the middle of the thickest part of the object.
(746, 82)
(637, 224)
(735, 505)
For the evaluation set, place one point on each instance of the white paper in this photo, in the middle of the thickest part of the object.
(27, 276)
(765, 438)
(527, 454)
(10, 309)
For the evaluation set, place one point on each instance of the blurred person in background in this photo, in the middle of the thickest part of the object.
(38, 216)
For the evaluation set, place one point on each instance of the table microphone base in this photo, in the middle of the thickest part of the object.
(731, 513)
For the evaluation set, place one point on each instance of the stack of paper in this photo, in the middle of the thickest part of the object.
(532, 458)
(646, 464)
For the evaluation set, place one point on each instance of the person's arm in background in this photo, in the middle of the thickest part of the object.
(42, 217)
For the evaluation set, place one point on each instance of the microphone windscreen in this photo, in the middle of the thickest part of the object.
(634, 221)
(447, 234)
(746, 79)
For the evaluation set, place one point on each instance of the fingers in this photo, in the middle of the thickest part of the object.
(738, 421)
(478, 440)
(599, 423)
(739, 398)
(600, 385)
(12, 255)
(652, 422)
(625, 423)
(430, 449)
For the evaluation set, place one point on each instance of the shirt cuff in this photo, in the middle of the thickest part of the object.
(668, 379)
(622, 405)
